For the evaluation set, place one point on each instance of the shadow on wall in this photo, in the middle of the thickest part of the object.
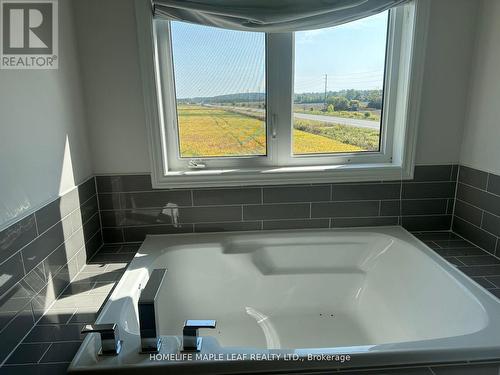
(40, 255)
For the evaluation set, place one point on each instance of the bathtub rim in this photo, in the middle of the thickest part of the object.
(480, 345)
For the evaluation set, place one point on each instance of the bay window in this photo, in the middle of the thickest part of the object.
(231, 107)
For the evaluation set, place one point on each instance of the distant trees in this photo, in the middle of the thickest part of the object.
(375, 101)
(339, 103)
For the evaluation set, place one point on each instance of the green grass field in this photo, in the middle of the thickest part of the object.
(209, 131)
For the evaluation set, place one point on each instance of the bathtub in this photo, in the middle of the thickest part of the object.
(301, 300)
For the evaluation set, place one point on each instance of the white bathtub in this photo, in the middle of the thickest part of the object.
(379, 295)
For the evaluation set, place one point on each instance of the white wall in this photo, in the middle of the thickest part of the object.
(106, 32)
(115, 104)
(481, 140)
(447, 68)
(43, 142)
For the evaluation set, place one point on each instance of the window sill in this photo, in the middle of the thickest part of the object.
(282, 175)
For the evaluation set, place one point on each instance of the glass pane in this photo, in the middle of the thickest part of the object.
(339, 77)
(220, 90)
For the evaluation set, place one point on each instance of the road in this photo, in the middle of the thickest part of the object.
(367, 124)
(357, 123)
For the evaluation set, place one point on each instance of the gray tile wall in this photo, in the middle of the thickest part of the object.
(39, 255)
(477, 208)
(130, 208)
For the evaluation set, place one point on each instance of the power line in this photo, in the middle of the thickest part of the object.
(326, 86)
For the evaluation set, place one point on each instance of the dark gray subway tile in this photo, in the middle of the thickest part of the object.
(156, 199)
(214, 197)
(479, 198)
(76, 220)
(94, 244)
(112, 235)
(52, 213)
(483, 281)
(475, 235)
(450, 207)
(16, 236)
(91, 227)
(38, 369)
(453, 243)
(139, 217)
(227, 227)
(61, 316)
(109, 201)
(124, 183)
(345, 209)
(110, 249)
(489, 270)
(111, 219)
(61, 352)
(494, 184)
(420, 190)
(460, 251)
(88, 209)
(437, 222)
(454, 261)
(209, 214)
(74, 243)
(497, 251)
(478, 260)
(296, 224)
(276, 211)
(424, 207)
(35, 279)
(137, 234)
(454, 172)
(491, 223)
(28, 353)
(11, 272)
(426, 173)
(57, 260)
(14, 332)
(390, 208)
(87, 190)
(42, 246)
(357, 192)
(473, 177)
(364, 222)
(495, 280)
(54, 333)
(112, 258)
(16, 300)
(291, 194)
(432, 236)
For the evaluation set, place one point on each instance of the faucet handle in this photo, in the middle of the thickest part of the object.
(110, 338)
(190, 340)
(195, 324)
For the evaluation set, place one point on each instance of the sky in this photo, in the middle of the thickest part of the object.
(209, 61)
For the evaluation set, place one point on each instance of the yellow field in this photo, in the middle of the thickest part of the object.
(206, 131)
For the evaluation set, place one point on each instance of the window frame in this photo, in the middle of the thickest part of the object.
(405, 51)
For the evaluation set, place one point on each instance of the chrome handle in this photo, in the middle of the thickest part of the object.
(190, 340)
(150, 340)
(110, 338)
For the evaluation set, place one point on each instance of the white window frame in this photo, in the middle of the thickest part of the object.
(407, 34)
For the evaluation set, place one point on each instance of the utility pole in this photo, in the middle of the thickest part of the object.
(326, 85)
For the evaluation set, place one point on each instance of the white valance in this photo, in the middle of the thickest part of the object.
(270, 15)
